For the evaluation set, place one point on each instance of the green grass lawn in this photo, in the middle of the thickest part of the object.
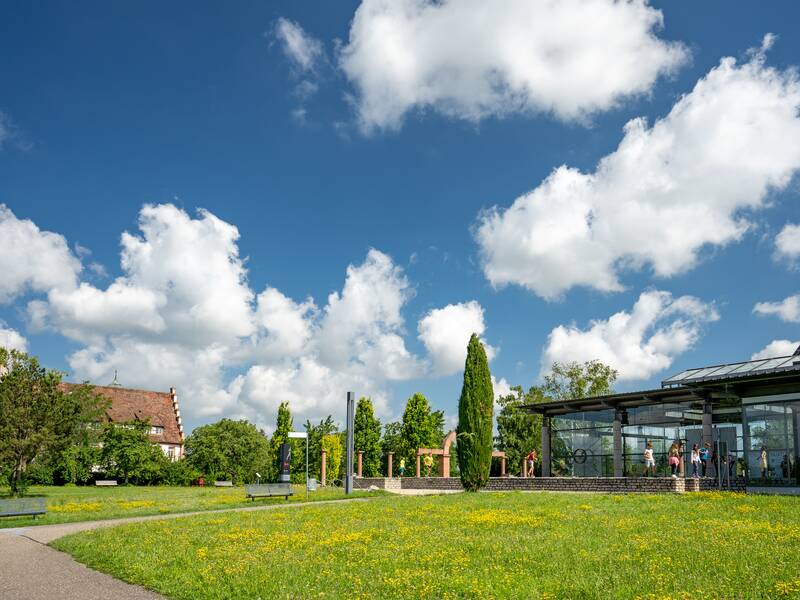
(511, 545)
(89, 503)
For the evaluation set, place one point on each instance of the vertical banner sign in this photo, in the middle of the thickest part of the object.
(286, 460)
(348, 481)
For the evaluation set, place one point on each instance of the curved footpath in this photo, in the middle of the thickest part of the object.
(31, 570)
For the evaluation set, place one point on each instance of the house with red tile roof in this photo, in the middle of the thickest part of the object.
(160, 409)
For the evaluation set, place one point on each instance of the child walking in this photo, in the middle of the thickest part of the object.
(649, 461)
(695, 460)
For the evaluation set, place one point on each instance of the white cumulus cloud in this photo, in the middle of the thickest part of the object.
(775, 349)
(638, 343)
(667, 192)
(10, 339)
(32, 259)
(470, 59)
(445, 332)
(183, 314)
(787, 309)
(787, 242)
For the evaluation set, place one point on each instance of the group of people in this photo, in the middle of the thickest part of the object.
(700, 457)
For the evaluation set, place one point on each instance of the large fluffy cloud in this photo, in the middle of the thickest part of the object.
(668, 191)
(787, 309)
(470, 58)
(182, 313)
(445, 332)
(32, 259)
(638, 343)
(775, 349)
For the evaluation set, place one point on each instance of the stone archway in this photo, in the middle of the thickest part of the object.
(444, 452)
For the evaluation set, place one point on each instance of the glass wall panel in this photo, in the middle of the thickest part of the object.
(581, 444)
(772, 448)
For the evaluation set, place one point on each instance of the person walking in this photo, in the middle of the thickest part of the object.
(428, 462)
(674, 459)
(695, 460)
(705, 452)
(532, 463)
(764, 462)
(649, 460)
(402, 467)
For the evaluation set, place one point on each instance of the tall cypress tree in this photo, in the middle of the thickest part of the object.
(474, 448)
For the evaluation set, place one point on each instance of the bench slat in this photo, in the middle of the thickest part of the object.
(20, 507)
(263, 490)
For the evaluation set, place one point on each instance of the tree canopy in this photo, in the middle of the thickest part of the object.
(367, 437)
(227, 449)
(37, 416)
(421, 428)
(518, 431)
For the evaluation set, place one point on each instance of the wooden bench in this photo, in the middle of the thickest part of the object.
(105, 482)
(223, 484)
(265, 490)
(22, 507)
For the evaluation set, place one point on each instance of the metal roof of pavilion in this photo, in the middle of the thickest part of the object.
(734, 371)
(617, 401)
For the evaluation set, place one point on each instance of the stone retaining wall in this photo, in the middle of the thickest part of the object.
(382, 483)
(619, 485)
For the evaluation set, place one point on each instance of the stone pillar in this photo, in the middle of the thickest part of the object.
(444, 466)
(389, 460)
(708, 433)
(360, 461)
(417, 475)
(617, 451)
(324, 465)
(502, 466)
(546, 447)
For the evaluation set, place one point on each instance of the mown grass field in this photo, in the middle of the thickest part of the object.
(89, 503)
(512, 545)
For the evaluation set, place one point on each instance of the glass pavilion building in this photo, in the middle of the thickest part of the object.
(748, 411)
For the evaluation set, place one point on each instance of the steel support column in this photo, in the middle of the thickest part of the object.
(545, 446)
(617, 430)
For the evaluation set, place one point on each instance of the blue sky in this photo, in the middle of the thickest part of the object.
(308, 132)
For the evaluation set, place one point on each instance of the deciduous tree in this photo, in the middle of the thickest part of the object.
(36, 416)
(367, 437)
(227, 449)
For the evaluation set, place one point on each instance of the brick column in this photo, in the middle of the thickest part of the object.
(524, 470)
(444, 466)
(546, 447)
(389, 460)
(360, 460)
(617, 430)
(502, 466)
(324, 465)
(417, 465)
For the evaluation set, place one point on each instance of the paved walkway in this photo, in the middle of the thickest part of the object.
(31, 570)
